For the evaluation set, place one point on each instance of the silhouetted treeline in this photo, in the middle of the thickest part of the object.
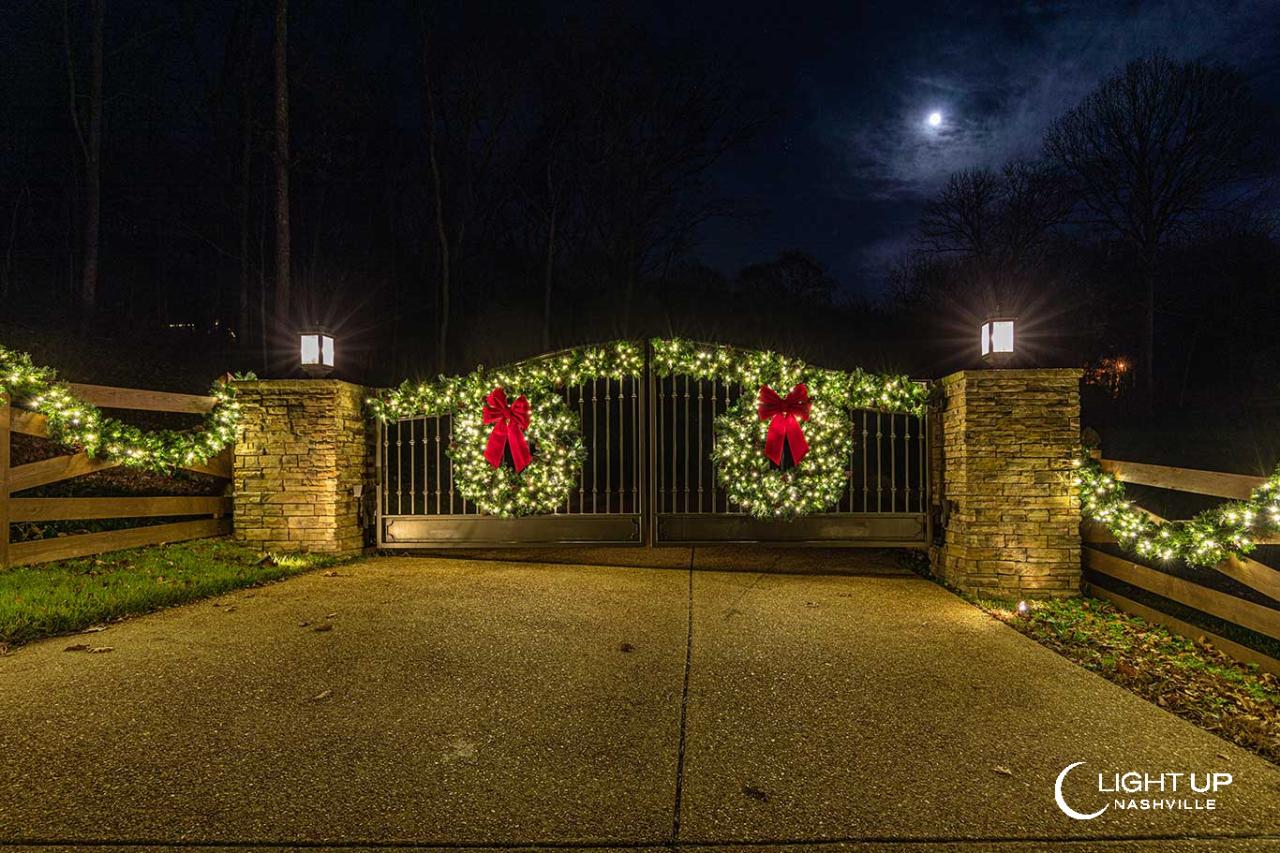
(479, 182)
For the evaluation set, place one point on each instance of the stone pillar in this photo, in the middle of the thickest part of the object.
(1004, 447)
(301, 465)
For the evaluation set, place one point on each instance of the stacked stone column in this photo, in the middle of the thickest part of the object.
(301, 466)
(1004, 445)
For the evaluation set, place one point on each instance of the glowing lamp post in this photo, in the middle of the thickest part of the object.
(317, 354)
(997, 340)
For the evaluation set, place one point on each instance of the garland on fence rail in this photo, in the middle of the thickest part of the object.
(513, 410)
(81, 424)
(1205, 540)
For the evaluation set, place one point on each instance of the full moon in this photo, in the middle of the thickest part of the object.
(935, 119)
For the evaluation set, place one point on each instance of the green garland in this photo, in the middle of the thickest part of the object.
(752, 368)
(80, 424)
(447, 394)
(751, 481)
(1205, 540)
(554, 433)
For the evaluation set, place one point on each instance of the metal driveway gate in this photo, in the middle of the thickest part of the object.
(649, 479)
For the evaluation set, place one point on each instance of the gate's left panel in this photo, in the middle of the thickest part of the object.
(420, 506)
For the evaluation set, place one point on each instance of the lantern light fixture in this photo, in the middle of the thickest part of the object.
(317, 353)
(997, 340)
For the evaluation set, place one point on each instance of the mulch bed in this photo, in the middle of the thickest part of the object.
(1192, 679)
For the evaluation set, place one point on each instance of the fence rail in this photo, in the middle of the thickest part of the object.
(202, 516)
(1185, 591)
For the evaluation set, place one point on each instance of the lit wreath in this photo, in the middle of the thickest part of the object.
(530, 430)
(813, 421)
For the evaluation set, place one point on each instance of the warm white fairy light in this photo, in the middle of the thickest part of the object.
(554, 433)
(80, 424)
(750, 479)
(1205, 540)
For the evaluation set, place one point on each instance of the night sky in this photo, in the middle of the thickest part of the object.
(844, 170)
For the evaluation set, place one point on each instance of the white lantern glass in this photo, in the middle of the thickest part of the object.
(997, 337)
(317, 352)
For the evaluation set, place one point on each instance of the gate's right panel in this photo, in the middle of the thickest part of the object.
(884, 504)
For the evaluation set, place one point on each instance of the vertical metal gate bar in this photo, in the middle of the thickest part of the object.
(582, 468)
(906, 463)
(635, 448)
(439, 422)
(379, 477)
(701, 458)
(686, 442)
(450, 465)
(866, 463)
(893, 462)
(399, 469)
(879, 464)
(715, 405)
(674, 488)
(384, 482)
(608, 444)
(924, 474)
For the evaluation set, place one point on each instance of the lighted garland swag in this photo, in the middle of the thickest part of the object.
(1205, 540)
(752, 480)
(552, 431)
(75, 422)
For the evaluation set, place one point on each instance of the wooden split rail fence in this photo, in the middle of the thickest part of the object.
(1238, 611)
(203, 515)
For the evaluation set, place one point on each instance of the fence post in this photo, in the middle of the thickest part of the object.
(1007, 442)
(4, 481)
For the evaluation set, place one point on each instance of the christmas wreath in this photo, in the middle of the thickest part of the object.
(516, 446)
(780, 457)
(516, 452)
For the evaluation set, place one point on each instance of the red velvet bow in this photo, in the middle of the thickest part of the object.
(509, 424)
(782, 415)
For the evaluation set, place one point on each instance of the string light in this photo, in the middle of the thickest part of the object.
(554, 432)
(750, 479)
(1205, 540)
(74, 422)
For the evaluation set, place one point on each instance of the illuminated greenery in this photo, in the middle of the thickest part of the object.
(750, 479)
(554, 434)
(1205, 540)
(80, 424)
(753, 368)
(449, 394)
(555, 438)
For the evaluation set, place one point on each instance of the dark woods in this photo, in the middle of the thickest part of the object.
(479, 182)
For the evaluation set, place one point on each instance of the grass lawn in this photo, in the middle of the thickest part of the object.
(1237, 702)
(59, 598)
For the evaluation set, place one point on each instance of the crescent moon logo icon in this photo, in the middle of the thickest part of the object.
(1062, 804)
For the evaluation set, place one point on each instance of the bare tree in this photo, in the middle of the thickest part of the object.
(1155, 144)
(437, 199)
(91, 152)
(282, 257)
(963, 216)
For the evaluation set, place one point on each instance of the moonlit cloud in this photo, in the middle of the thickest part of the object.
(999, 81)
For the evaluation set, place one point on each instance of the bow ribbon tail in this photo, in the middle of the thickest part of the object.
(520, 455)
(795, 437)
(497, 445)
(775, 438)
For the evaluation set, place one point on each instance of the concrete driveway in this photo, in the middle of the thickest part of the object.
(460, 703)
